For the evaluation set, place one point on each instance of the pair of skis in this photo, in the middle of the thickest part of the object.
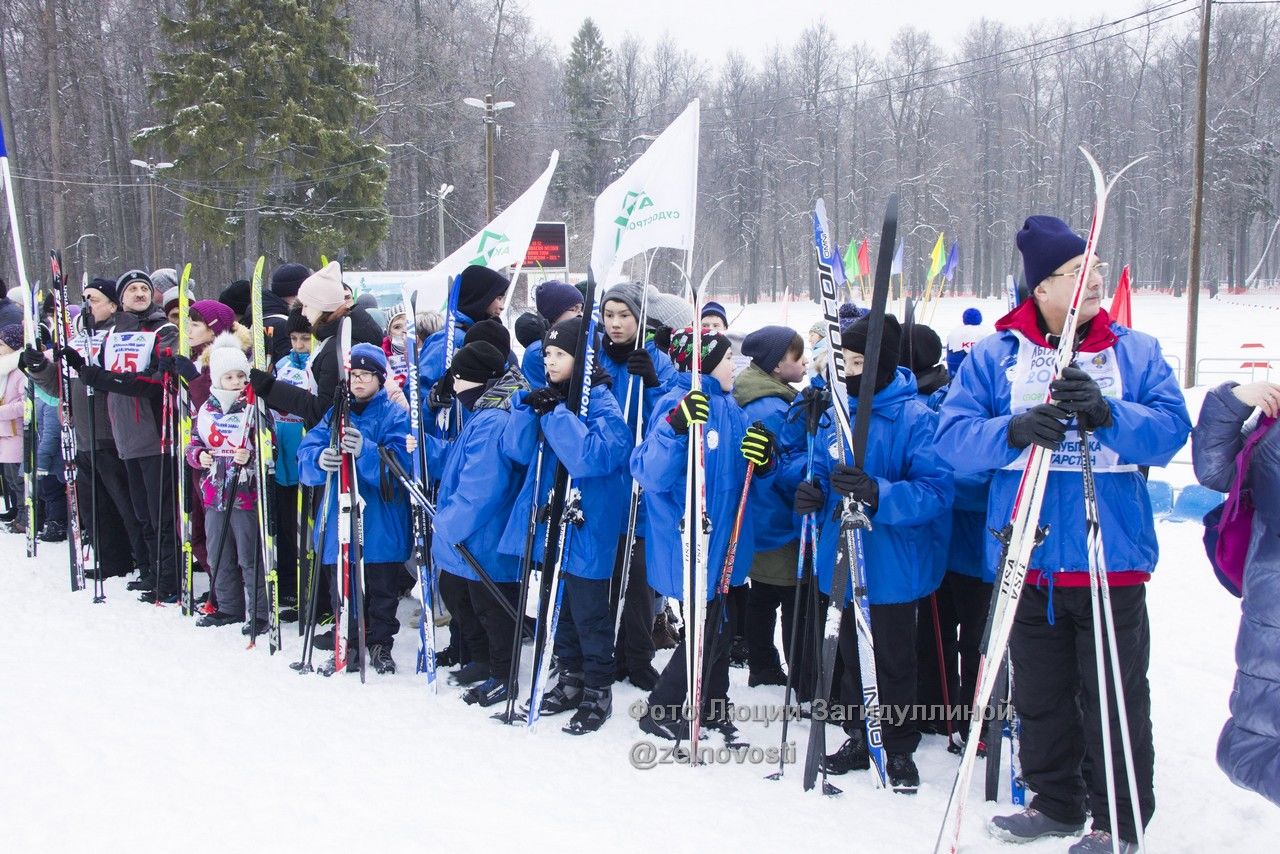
(1023, 537)
(61, 336)
(265, 454)
(350, 522)
(421, 524)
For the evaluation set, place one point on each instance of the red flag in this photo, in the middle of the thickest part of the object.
(864, 257)
(1120, 311)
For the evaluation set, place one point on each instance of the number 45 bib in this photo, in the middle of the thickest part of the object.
(128, 352)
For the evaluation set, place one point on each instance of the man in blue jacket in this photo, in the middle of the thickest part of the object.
(482, 293)
(594, 451)
(1122, 391)
(907, 493)
(373, 422)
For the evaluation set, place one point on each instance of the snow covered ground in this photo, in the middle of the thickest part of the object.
(126, 728)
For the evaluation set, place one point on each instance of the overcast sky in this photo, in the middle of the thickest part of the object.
(710, 28)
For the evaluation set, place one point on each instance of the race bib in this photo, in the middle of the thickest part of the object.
(1029, 378)
(296, 377)
(222, 433)
(398, 367)
(128, 352)
(88, 344)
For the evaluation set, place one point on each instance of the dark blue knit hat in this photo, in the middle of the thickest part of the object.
(107, 287)
(367, 357)
(715, 308)
(11, 334)
(555, 298)
(972, 317)
(768, 346)
(1046, 243)
(287, 279)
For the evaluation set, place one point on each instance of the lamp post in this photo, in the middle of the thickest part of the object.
(445, 190)
(152, 168)
(491, 110)
(76, 246)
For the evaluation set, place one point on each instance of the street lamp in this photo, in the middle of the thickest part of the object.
(491, 110)
(76, 246)
(445, 190)
(152, 169)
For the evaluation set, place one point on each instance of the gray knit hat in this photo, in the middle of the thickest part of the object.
(669, 310)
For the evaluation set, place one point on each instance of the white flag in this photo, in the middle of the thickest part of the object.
(653, 203)
(500, 244)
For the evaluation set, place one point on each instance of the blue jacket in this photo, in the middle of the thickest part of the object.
(647, 397)
(1249, 746)
(532, 366)
(659, 465)
(431, 360)
(386, 519)
(478, 485)
(595, 454)
(1149, 425)
(902, 549)
(966, 554)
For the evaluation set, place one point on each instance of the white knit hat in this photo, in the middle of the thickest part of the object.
(322, 290)
(226, 356)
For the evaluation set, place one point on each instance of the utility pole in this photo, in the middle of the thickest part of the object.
(1197, 198)
(152, 168)
(491, 130)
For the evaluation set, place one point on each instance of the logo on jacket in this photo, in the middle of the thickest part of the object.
(713, 439)
(1099, 360)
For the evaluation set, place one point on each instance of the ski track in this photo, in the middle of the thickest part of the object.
(126, 728)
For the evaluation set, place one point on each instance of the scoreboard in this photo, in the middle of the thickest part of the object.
(548, 247)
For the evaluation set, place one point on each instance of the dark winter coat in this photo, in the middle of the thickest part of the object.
(386, 511)
(1149, 424)
(324, 368)
(595, 453)
(95, 429)
(1249, 747)
(915, 494)
(10, 311)
(134, 397)
(767, 400)
(275, 319)
(659, 465)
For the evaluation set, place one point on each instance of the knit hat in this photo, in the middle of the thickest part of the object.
(287, 278)
(297, 322)
(236, 296)
(1046, 243)
(127, 279)
(530, 327)
(322, 290)
(171, 298)
(555, 298)
(225, 355)
(855, 338)
(923, 350)
(11, 334)
(972, 317)
(18, 294)
(164, 279)
(848, 313)
(630, 294)
(216, 315)
(106, 287)
(367, 357)
(492, 331)
(478, 362)
(768, 346)
(819, 328)
(479, 287)
(714, 309)
(564, 335)
(715, 347)
(668, 310)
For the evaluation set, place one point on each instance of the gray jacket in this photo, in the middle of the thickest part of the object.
(1249, 746)
(96, 429)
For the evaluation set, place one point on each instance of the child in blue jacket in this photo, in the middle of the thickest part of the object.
(478, 485)
(659, 465)
(594, 452)
(906, 492)
(373, 421)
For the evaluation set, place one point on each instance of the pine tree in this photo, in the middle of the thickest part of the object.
(264, 119)
(590, 87)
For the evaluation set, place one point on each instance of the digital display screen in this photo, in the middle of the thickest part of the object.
(547, 249)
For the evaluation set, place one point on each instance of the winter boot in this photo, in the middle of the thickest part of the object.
(770, 676)
(904, 777)
(565, 696)
(54, 532)
(1030, 825)
(145, 583)
(738, 652)
(152, 598)
(470, 674)
(250, 629)
(664, 634)
(218, 618)
(447, 657)
(380, 659)
(323, 641)
(643, 676)
(1099, 842)
(488, 693)
(597, 705)
(852, 756)
(671, 726)
(353, 663)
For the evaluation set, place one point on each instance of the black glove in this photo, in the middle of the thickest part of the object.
(693, 408)
(543, 400)
(1043, 425)
(1077, 393)
(32, 359)
(640, 364)
(166, 365)
(758, 446)
(441, 394)
(662, 338)
(853, 482)
(70, 356)
(262, 381)
(186, 368)
(809, 498)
